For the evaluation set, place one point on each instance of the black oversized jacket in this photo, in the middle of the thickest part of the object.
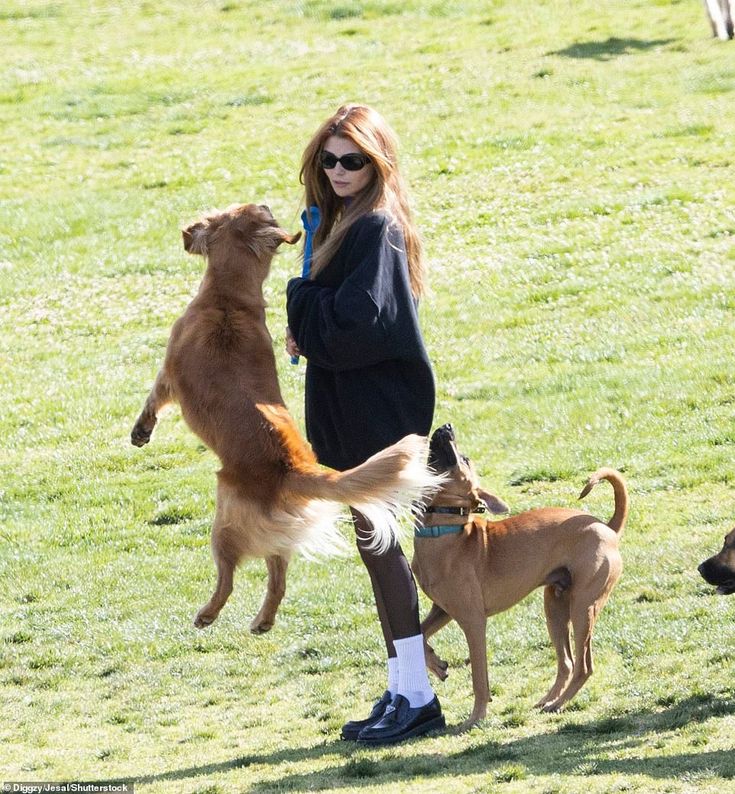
(368, 377)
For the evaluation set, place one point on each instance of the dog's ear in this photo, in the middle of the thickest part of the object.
(278, 235)
(263, 241)
(493, 504)
(291, 239)
(195, 238)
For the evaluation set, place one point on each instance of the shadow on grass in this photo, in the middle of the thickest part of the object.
(611, 48)
(574, 749)
(289, 755)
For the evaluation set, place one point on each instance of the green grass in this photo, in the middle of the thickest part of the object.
(572, 176)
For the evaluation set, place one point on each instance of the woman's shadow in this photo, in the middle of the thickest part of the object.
(575, 748)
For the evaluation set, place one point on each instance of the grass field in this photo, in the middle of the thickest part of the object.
(572, 171)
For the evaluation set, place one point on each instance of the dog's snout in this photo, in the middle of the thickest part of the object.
(447, 430)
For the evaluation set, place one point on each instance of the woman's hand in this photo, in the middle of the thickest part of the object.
(291, 347)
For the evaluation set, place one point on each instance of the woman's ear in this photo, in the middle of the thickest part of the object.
(195, 238)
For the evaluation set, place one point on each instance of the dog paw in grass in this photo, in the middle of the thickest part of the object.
(203, 619)
(140, 436)
(260, 626)
(466, 726)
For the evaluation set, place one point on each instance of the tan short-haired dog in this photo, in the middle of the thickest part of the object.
(472, 568)
(272, 497)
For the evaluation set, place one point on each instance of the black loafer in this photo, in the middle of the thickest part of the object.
(401, 722)
(351, 730)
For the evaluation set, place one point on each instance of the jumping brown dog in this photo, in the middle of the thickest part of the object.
(472, 568)
(719, 569)
(272, 497)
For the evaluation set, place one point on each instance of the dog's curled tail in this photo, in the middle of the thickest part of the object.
(617, 522)
(385, 488)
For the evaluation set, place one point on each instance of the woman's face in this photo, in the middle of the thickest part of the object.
(346, 183)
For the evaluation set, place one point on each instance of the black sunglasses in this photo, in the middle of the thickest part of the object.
(354, 161)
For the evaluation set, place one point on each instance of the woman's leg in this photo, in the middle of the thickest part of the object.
(351, 729)
(392, 664)
(413, 709)
(396, 598)
(395, 592)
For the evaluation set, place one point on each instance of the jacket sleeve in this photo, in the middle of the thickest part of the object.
(364, 320)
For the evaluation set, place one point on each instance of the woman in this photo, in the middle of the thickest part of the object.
(369, 382)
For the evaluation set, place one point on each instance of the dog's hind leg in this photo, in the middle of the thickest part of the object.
(161, 395)
(584, 611)
(226, 559)
(433, 622)
(556, 606)
(264, 620)
(583, 616)
(586, 602)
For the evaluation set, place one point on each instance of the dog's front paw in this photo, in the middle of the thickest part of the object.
(139, 436)
(436, 665)
(467, 725)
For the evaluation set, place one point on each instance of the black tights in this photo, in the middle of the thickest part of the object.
(393, 585)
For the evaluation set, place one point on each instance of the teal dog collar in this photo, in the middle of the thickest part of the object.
(437, 532)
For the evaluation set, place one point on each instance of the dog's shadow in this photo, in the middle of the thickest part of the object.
(574, 749)
(610, 48)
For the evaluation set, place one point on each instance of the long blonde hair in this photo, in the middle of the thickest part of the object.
(369, 131)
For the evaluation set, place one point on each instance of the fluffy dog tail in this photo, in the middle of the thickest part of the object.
(617, 522)
(385, 488)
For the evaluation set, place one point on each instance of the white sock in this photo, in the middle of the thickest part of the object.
(392, 676)
(413, 681)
